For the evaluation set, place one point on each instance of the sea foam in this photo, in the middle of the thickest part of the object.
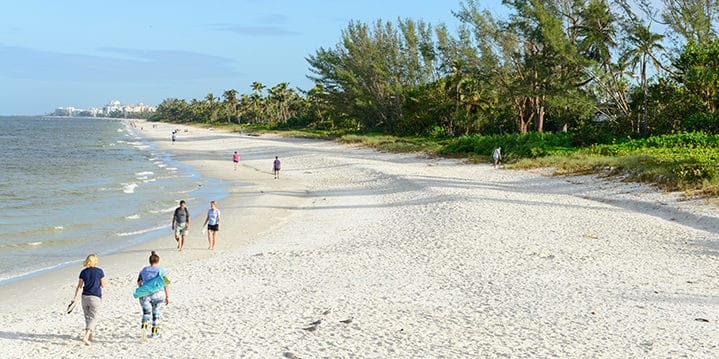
(129, 187)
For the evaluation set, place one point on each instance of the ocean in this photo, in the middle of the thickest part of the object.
(74, 186)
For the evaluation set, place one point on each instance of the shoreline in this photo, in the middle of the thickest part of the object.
(356, 253)
(127, 232)
(55, 281)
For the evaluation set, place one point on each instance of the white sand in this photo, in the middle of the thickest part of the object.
(423, 257)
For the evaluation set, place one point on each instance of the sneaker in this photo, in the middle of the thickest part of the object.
(155, 333)
(143, 332)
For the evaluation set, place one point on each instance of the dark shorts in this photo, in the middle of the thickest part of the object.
(213, 227)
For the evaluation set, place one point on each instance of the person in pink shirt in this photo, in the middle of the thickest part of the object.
(236, 159)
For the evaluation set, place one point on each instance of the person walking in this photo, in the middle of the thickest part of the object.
(213, 224)
(90, 284)
(276, 167)
(236, 159)
(181, 224)
(497, 156)
(152, 290)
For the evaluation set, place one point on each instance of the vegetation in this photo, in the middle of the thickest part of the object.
(579, 85)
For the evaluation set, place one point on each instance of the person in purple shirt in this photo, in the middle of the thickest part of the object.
(276, 167)
(90, 284)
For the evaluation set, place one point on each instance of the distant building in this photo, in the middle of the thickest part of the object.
(77, 112)
(64, 111)
(114, 109)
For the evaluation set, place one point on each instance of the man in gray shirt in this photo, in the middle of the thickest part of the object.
(181, 224)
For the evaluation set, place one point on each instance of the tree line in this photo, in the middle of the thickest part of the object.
(597, 69)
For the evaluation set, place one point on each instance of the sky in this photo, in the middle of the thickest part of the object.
(85, 54)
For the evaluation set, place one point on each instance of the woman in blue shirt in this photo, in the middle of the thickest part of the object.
(213, 224)
(90, 284)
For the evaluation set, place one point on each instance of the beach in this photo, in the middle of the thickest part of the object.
(354, 253)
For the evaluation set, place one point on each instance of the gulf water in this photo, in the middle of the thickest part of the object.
(74, 186)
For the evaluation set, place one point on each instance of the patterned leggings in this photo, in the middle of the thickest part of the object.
(151, 304)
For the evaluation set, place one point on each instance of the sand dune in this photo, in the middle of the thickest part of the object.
(356, 253)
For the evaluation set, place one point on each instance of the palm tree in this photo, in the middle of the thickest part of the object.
(317, 100)
(211, 102)
(281, 95)
(244, 108)
(257, 87)
(231, 103)
(257, 100)
(597, 32)
(645, 44)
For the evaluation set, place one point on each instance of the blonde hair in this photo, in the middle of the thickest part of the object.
(213, 202)
(90, 261)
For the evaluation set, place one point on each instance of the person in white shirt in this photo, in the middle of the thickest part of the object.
(213, 224)
(497, 156)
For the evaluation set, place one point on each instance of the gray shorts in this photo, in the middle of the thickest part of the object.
(180, 229)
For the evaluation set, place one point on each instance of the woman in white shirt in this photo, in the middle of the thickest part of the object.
(213, 224)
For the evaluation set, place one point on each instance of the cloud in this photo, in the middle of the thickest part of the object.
(112, 65)
(260, 30)
(270, 24)
(272, 19)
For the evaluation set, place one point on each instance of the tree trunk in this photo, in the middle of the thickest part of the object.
(524, 118)
(539, 111)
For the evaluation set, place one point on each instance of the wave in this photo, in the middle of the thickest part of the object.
(144, 173)
(166, 210)
(141, 231)
(176, 175)
(171, 168)
(129, 187)
(134, 216)
(28, 232)
(43, 243)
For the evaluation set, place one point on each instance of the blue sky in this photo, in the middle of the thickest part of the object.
(87, 53)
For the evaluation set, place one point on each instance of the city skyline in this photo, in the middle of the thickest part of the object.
(106, 110)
